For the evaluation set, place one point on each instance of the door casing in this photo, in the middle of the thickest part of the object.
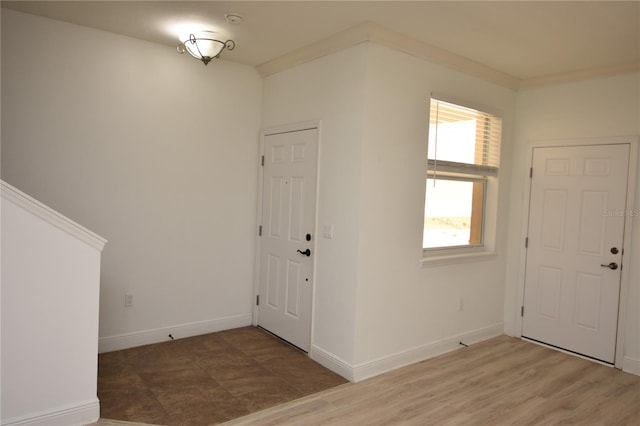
(634, 142)
(295, 127)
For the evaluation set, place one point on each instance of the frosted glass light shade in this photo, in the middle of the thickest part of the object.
(204, 45)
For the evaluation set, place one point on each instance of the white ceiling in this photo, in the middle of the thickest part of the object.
(525, 39)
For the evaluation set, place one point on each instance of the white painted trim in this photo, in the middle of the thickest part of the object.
(286, 128)
(398, 41)
(580, 75)
(78, 414)
(524, 232)
(52, 217)
(372, 32)
(631, 365)
(258, 240)
(429, 261)
(628, 257)
(316, 231)
(385, 364)
(342, 40)
(147, 337)
(332, 362)
(634, 143)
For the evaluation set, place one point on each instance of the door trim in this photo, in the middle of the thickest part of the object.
(633, 142)
(287, 128)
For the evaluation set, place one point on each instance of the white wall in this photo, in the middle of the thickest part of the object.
(593, 108)
(152, 150)
(405, 311)
(373, 300)
(330, 89)
(50, 289)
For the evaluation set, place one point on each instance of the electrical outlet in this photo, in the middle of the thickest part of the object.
(128, 300)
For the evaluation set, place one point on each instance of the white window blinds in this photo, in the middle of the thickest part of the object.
(463, 140)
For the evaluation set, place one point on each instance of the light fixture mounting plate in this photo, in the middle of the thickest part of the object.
(233, 18)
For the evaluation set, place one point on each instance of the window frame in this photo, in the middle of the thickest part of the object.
(450, 170)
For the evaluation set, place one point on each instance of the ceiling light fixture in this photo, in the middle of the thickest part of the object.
(204, 46)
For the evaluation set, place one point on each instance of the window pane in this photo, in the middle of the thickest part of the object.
(453, 213)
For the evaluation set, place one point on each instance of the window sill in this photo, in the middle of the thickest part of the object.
(431, 260)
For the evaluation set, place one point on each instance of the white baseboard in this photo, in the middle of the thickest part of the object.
(332, 362)
(147, 337)
(373, 368)
(80, 414)
(382, 365)
(631, 365)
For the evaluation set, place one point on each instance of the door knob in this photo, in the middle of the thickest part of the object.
(612, 265)
(307, 252)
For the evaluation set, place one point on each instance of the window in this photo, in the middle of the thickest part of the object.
(463, 159)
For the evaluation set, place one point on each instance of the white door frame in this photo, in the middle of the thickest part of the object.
(634, 142)
(295, 127)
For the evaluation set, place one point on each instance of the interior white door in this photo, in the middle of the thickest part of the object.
(574, 255)
(287, 244)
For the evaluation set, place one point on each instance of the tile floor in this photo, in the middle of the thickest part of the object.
(205, 380)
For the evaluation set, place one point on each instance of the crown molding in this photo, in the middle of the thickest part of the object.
(569, 77)
(372, 32)
(342, 40)
(398, 41)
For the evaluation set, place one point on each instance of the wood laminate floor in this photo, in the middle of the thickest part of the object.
(502, 381)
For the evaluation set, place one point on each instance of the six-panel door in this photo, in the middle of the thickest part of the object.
(576, 225)
(287, 245)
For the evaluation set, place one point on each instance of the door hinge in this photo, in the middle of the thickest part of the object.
(522, 311)
(262, 161)
(257, 300)
(526, 242)
(260, 231)
(531, 172)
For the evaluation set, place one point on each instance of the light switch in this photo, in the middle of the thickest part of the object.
(327, 231)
